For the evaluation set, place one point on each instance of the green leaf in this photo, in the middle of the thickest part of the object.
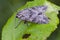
(36, 31)
(55, 35)
(7, 7)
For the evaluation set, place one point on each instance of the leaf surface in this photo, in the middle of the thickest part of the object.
(36, 31)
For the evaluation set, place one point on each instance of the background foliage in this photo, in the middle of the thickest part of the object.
(7, 7)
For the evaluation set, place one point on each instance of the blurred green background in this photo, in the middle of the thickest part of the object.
(8, 7)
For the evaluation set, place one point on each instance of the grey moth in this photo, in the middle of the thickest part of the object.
(34, 14)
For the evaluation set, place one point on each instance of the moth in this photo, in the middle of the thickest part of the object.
(34, 14)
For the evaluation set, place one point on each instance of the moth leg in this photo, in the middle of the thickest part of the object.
(26, 22)
(17, 22)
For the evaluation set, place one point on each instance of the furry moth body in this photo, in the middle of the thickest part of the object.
(34, 14)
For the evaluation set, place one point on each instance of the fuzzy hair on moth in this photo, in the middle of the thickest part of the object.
(34, 14)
